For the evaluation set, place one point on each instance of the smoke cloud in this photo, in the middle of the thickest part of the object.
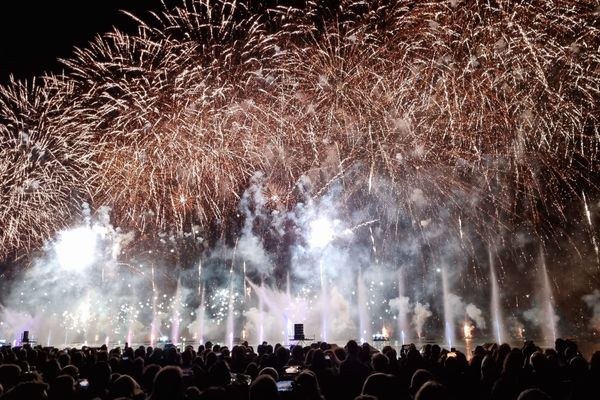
(421, 314)
(476, 315)
(593, 301)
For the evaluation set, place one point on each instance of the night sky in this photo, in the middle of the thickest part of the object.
(35, 34)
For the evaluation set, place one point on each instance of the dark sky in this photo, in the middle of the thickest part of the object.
(35, 33)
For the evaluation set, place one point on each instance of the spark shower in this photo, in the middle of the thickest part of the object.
(427, 169)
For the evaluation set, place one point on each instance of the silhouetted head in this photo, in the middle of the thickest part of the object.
(538, 361)
(364, 354)
(282, 354)
(380, 385)
(51, 370)
(168, 384)
(63, 388)
(238, 353)
(252, 370)
(340, 353)
(513, 363)
(380, 363)
(99, 376)
(64, 359)
(578, 367)
(70, 370)
(533, 394)
(125, 386)
(479, 352)
(392, 355)
(297, 353)
(419, 378)
(219, 374)
(432, 390)
(193, 393)
(308, 385)
(318, 360)
(9, 375)
(210, 359)
(501, 353)
(264, 388)
(148, 376)
(272, 372)
(352, 348)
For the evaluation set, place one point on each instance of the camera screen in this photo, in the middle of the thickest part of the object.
(285, 386)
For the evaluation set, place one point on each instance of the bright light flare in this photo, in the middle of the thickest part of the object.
(76, 248)
(321, 233)
(468, 330)
(384, 332)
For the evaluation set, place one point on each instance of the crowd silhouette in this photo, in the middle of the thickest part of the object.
(320, 371)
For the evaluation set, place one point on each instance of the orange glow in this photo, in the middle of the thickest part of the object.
(384, 332)
(468, 330)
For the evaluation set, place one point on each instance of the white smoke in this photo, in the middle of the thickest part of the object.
(593, 302)
(280, 312)
(250, 247)
(476, 315)
(401, 305)
(421, 314)
(541, 318)
(457, 308)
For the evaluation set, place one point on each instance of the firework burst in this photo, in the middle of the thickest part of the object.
(488, 110)
(47, 162)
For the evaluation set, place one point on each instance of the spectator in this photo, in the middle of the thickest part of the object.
(168, 384)
(432, 390)
(264, 388)
(307, 386)
(352, 371)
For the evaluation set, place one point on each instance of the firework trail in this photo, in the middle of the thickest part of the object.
(47, 162)
(486, 109)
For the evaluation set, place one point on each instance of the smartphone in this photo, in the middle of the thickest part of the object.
(327, 358)
(124, 358)
(452, 354)
(240, 379)
(285, 386)
(84, 383)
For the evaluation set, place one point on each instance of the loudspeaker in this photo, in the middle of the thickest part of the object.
(25, 338)
(298, 331)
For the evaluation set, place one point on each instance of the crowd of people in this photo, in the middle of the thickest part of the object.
(320, 371)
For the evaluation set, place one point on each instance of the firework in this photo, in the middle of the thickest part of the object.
(47, 162)
(488, 109)
(484, 111)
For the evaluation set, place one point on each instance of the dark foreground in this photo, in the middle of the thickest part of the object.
(315, 372)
